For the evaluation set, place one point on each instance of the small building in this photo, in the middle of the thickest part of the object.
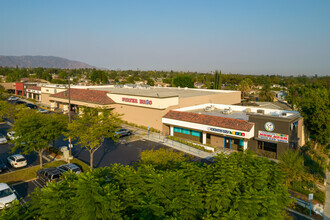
(34, 92)
(268, 132)
(142, 105)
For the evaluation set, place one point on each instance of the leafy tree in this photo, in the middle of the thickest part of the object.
(266, 93)
(292, 164)
(313, 104)
(34, 131)
(237, 186)
(183, 81)
(5, 109)
(163, 158)
(150, 82)
(217, 80)
(245, 85)
(90, 130)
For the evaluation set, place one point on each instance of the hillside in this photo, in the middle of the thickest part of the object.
(42, 61)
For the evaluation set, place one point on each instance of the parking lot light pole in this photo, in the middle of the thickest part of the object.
(70, 145)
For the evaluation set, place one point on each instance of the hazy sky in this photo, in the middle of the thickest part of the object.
(288, 37)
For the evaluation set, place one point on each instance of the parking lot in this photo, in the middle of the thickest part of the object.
(32, 159)
(109, 153)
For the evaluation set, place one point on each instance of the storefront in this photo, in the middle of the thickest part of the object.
(141, 106)
(267, 132)
(34, 92)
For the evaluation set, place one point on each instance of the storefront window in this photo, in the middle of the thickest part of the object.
(196, 133)
(178, 130)
(270, 147)
(185, 131)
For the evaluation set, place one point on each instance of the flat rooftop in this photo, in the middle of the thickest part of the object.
(159, 92)
(218, 112)
(237, 112)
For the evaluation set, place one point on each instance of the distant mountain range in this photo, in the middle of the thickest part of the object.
(42, 61)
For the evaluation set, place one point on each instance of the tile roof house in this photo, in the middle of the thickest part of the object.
(216, 121)
(86, 95)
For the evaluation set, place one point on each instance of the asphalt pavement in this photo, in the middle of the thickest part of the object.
(32, 159)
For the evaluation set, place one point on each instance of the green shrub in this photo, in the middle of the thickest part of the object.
(306, 188)
(189, 143)
(142, 127)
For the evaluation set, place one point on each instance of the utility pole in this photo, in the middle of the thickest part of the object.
(70, 145)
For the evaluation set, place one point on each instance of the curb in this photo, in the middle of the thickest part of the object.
(20, 182)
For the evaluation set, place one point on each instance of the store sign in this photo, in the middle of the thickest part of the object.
(269, 126)
(137, 101)
(223, 131)
(284, 138)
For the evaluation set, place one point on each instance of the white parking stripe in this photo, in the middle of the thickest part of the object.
(35, 182)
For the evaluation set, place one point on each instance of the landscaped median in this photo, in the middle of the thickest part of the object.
(31, 172)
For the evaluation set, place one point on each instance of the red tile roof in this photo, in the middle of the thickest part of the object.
(210, 120)
(85, 95)
(35, 88)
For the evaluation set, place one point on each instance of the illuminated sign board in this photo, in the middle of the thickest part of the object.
(223, 131)
(284, 138)
(138, 101)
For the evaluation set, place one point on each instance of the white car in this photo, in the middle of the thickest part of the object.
(41, 110)
(7, 195)
(11, 135)
(3, 139)
(12, 98)
(17, 161)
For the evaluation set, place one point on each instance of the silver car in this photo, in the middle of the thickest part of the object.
(3, 139)
(7, 195)
(67, 167)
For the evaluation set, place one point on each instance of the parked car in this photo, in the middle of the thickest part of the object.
(41, 110)
(2, 166)
(17, 160)
(7, 195)
(12, 98)
(11, 135)
(3, 139)
(51, 174)
(19, 102)
(67, 167)
(123, 132)
(31, 106)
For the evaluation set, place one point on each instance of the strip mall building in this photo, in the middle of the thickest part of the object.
(208, 117)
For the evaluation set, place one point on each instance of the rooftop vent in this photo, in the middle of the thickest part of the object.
(209, 108)
(261, 111)
(227, 111)
(283, 114)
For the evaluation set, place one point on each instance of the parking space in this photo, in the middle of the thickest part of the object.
(23, 190)
(5, 152)
(111, 152)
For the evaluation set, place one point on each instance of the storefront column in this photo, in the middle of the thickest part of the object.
(245, 145)
(204, 138)
(53, 106)
(171, 130)
(65, 108)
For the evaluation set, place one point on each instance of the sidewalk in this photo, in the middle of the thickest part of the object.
(157, 137)
(327, 198)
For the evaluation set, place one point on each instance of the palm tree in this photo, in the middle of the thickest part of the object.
(266, 93)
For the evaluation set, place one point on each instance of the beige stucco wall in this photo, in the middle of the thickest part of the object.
(10, 85)
(46, 92)
(159, 103)
(220, 98)
(141, 116)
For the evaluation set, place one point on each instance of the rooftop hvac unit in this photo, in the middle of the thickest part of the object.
(227, 111)
(261, 111)
(283, 114)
